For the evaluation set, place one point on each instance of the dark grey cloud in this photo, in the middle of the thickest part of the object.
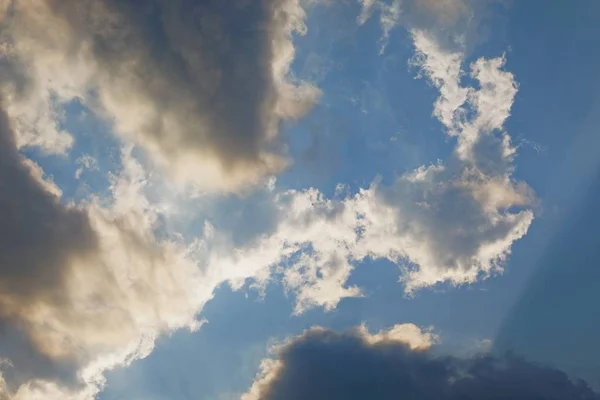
(323, 364)
(39, 239)
(209, 58)
(28, 362)
(38, 235)
(79, 284)
(203, 86)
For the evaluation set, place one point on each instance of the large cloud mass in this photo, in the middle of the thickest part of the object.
(452, 221)
(82, 288)
(322, 364)
(202, 86)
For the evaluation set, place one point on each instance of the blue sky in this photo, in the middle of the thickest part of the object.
(234, 208)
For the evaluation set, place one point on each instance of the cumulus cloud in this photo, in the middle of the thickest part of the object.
(88, 287)
(83, 288)
(202, 86)
(39, 239)
(452, 221)
(203, 89)
(408, 336)
(323, 364)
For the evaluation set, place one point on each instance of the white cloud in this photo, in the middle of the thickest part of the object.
(389, 17)
(206, 107)
(85, 162)
(414, 337)
(444, 70)
(367, 8)
(449, 222)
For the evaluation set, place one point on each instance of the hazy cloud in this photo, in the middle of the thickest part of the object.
(454, 24)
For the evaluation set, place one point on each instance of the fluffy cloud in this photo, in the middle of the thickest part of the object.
(201, 86)
(83, 288)
(446, 222)
(408, 336)
(322, 364)
(88, 287)
(40, 238)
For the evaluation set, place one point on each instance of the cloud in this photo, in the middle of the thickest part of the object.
(389, 17)
(449, 222)
(33, 218)
(85, 162)
(491, 102)
(88, 287)
(203, 87)
(83, 288)
(455, 24)
(323, 364)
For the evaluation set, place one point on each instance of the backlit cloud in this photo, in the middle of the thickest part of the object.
(202, 87)
(323, 364)
(452, 221)
(83, 288)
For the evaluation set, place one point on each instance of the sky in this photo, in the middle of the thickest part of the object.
(292, 199)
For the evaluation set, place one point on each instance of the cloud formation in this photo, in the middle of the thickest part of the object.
(83, 288)
(452, 221)
(40, 240)
(323, 364)
(203, 87)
